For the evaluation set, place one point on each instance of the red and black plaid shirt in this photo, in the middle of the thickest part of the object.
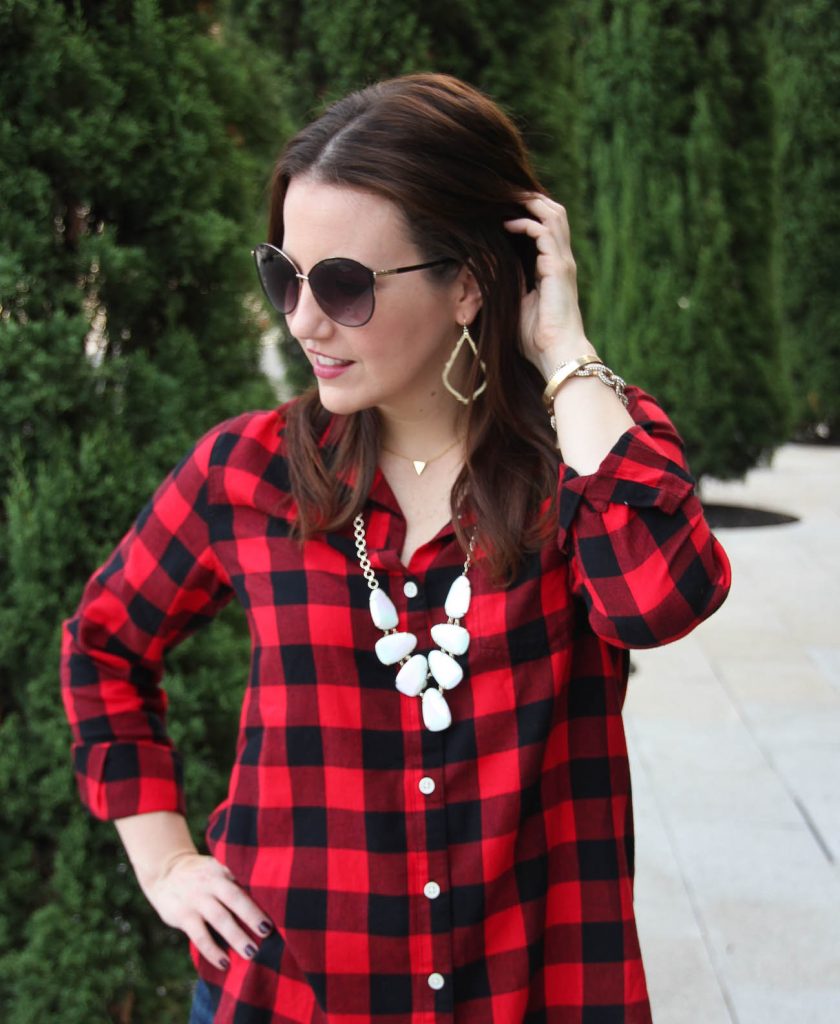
(342, 806)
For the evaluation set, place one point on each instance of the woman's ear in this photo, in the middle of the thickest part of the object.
(468, 300)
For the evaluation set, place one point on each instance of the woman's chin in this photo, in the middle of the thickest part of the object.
(338, 403)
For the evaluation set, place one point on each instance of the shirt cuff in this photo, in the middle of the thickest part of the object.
(635, 472)
(117, 780)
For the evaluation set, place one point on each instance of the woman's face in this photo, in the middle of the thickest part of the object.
(394, 361)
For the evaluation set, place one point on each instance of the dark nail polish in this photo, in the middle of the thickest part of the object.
(250, 951)
(265, 927)
(224, 963)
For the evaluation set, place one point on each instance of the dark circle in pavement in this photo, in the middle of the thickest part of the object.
(729, 517)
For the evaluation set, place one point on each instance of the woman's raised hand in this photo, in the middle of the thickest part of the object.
(551, 323)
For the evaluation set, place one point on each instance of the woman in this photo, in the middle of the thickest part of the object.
(445, 549)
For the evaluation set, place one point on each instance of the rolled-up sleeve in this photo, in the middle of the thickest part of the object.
(641, 554)
(161, 583)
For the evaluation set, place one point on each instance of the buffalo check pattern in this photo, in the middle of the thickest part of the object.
(481, 875)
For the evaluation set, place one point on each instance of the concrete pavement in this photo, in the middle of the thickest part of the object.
(734, 737)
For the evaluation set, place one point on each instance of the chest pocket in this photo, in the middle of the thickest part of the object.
(531, 619)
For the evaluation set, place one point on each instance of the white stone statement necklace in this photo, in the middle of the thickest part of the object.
(416, 670)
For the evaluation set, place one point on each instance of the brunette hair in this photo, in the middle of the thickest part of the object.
(456, 166)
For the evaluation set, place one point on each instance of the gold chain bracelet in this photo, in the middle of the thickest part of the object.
(583, 366)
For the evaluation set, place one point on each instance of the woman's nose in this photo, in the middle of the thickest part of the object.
(307, 319)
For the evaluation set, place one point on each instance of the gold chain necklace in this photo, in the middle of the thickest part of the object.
(418, 464)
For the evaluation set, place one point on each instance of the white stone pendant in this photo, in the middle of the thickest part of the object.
(453, 639)
(382, 610)
(411, 678)
(458, 599)
(394, 647)
(436, 713)
(445, 670)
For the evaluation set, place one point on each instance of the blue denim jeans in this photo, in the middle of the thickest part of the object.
(203, 1006)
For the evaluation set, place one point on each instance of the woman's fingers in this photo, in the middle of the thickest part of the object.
(227, 927)
(525, 226)
(196, 930)
(241, 904)
(551, 323)
(548, 226)
(538, 203)
(197, 892)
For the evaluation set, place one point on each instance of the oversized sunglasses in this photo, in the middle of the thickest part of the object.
(343, 288)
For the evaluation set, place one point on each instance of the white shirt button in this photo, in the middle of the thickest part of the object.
(427, 785)
(410, 588)
(432, 890)
(436, 981)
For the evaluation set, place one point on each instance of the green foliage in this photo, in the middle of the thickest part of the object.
(673, 135)
(804, 45)
(131, 169)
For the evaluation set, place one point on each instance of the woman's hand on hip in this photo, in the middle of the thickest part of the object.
(194, 891)
(551, 324)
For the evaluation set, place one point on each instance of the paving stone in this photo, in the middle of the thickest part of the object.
(734, 736)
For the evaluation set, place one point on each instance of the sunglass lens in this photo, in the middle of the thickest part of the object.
(278, 278)
(344, 290)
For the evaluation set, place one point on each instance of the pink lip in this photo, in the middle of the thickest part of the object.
(327, 372)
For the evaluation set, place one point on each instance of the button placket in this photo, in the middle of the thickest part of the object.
(425, 858)
(436, 882)
(419, 870)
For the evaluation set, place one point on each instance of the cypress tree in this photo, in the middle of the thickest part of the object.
(804, 43)
(673, 138)
(130, 191)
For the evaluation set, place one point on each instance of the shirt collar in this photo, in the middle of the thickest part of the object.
(383, 496)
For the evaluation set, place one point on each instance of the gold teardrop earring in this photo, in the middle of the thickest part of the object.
(465, 337)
